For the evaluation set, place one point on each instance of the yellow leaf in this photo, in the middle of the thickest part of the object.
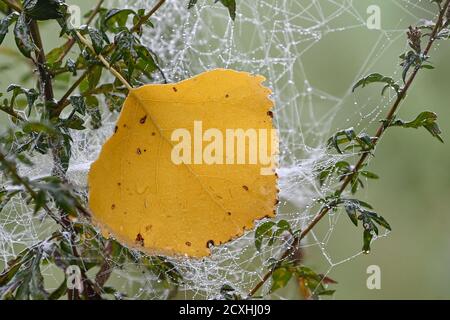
(150, 193)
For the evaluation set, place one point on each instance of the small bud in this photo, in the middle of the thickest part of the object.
(414, 39)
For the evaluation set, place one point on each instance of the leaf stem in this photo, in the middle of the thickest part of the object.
(390, 115)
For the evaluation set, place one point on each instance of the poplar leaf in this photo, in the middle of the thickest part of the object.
(145, 199)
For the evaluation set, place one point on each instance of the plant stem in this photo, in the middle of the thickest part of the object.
(12, 5)
(379, 133)
(12, 113)
(62, 102)
(144, 19)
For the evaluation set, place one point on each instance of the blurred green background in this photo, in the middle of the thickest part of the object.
(413, 191)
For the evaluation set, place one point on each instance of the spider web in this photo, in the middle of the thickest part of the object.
(280, 39)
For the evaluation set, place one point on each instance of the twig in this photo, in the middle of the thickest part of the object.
(12, 5)
(12, 113)
(16, 177)
(144, 18)
(390, 116)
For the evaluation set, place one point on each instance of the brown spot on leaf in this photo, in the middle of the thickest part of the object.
(227, 95)
(142, 121)
(270, 114)
(139, 240)
(148, 227)
(229, 213)
(153, 133)
(119, 184)
(113, 206)
(174, 89)
(188, 243)
(245, 188)
(116, 128)
(138, 151)
(210, 243)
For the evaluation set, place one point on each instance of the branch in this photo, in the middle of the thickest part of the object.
(390, 116)
(44, 75)
(144, 19)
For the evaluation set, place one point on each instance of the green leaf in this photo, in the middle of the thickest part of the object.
(5, 23)
(44, 9)
(93, 110)
(78, 104)
(263, 231)
(231, 6)
(40, 127)
(367, 238)
(97, 39)
(379, 219)
(425, 119)
(377, 78)
(124, 42)
(74, 122)
(351, 212)
(369, 175)
(280, 278)
(40, 201)
(192, 3)
(22, 36)
(116, 19)
(94, 76)
(31, 95)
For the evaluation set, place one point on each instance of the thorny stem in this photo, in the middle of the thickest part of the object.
(381, 129)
